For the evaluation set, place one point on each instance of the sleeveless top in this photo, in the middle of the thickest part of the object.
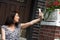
(9, 35)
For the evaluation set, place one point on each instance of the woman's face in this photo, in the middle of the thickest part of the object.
(16, 18)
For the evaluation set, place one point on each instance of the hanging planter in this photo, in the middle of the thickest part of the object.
(51, 8)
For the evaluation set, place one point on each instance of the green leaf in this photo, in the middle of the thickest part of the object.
(59, 0)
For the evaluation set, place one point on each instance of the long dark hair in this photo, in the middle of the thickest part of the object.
(10, 18)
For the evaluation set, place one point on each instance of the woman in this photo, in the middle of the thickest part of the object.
(11, 28)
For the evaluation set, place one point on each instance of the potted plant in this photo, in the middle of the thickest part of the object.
(51, 5)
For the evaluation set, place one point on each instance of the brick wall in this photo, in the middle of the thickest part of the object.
(49, 32)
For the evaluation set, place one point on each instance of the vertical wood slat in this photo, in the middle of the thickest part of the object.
(2, 13)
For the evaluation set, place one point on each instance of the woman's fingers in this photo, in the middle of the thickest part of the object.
(41, 14)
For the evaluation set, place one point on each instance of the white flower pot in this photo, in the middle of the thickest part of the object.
(55, 15)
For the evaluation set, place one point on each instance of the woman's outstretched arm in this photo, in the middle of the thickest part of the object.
(25, 25)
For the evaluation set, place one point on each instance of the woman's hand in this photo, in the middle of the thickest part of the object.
(41, 15)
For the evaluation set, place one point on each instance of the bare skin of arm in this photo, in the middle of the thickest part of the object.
(3, 33)
(25, 25)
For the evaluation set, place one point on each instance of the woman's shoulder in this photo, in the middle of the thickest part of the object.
(3, 26)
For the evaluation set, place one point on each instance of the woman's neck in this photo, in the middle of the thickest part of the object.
(12, 25)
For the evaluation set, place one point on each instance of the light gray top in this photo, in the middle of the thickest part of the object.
(12, 35)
